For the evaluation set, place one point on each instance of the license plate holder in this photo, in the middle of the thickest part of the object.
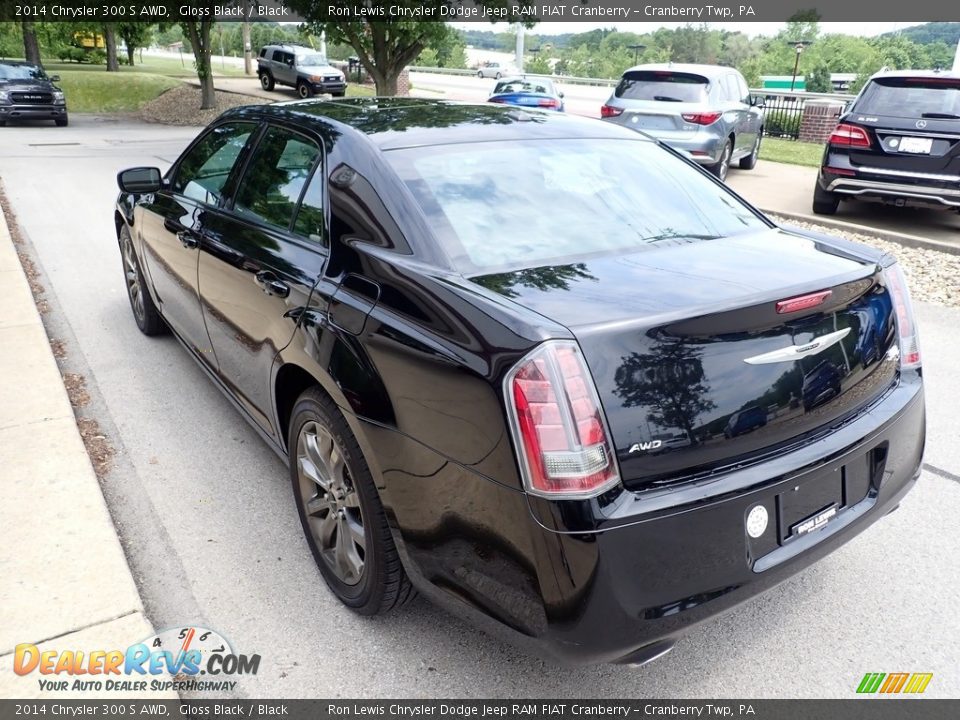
(810, 504)
(916, 145)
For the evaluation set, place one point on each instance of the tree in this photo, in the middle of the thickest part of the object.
(135, 35)
(198, 32)
(818, 79)
(384, 47)
(31, 48)
(110, 41)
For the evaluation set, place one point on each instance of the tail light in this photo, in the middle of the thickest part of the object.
(562, 441)
(906, 325)
(610, 111)
(850, 136)
(706, 118)
(548, 103)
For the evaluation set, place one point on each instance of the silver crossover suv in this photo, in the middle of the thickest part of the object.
(706, 111)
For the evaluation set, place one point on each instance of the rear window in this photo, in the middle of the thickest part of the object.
(502, 205)
(523, 86)
(663, 86)
(912, 97)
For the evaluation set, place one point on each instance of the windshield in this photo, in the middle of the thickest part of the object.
(662, 85)
(311, 60)
(524, 203)
(21, 72)
(912, 97)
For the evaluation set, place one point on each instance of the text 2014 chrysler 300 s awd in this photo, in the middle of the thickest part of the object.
(540, 368)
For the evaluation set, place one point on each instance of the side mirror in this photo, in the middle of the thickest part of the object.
(54, 78)
(139, 180)
(758, 101)
(560, 94)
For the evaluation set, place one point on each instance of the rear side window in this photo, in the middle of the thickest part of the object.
(499, 205)
(263, 52)
(274, 180)
(912, 97)
(204, 170)
(662, 85)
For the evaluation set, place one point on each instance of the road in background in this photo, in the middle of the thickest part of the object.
(206, 513)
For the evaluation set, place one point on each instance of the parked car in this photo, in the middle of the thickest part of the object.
(821, 384)
(496, 70)
(705, 110)
(532, 92)
(299, 67)
(898, 143)
(28, 93)
(464, 327)
(745, 421)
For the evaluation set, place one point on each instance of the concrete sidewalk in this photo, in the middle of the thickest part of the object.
(64, 580)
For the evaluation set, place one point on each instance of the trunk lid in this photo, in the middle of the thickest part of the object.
(693, 363)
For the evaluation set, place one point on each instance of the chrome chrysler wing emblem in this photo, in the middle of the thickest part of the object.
(795, 352)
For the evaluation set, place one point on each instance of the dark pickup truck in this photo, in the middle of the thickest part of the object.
(27, 92)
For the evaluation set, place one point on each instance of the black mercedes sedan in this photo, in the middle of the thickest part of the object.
(501, 352)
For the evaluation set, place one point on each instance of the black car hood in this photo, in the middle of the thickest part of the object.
(27, 86)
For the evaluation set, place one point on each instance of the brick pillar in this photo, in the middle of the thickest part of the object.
(819, 119)
(403, 83)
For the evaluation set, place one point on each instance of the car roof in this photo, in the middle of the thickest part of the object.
(949, 75)
(709, 71)
(399, 122)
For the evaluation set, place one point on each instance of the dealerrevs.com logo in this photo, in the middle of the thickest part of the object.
(894, 683)
(177, 659)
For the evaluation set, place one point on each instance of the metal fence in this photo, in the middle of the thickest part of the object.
(783, 110)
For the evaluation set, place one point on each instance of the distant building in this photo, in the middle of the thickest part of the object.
(841, 81)
(782, 82)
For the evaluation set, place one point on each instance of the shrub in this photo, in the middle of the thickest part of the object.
(782, 123)
(97, 57)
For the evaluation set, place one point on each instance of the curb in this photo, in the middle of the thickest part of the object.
(65, 581)
(914, 241)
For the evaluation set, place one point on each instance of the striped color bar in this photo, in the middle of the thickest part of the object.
(893, 683)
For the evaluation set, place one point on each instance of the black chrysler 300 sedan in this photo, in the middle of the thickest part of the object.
(540, 368)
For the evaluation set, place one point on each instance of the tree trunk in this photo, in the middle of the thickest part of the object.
(387, 81)
(110, 40)
(199, 34)
(247, 50)
(31, 48)
(130, 51)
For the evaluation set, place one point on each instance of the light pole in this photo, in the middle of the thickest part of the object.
(636, 52)
(799, 46)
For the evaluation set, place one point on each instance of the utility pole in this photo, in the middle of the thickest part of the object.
(247, 49)
(519, 54)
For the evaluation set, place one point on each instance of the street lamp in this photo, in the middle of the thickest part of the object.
(799, 46)
(636, 52)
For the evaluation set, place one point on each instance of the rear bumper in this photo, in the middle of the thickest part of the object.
(32, 112)
(584, 583)
(703, 146)
(909, 193)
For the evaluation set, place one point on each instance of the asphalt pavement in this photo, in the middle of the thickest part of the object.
(206, 516)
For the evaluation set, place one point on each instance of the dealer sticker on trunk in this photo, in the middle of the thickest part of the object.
(814, 522)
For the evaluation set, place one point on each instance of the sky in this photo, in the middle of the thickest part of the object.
(750, 28)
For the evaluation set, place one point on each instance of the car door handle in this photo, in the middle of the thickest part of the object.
(269, 283)
(188, 239)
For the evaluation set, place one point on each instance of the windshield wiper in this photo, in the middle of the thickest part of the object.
(941, 116)
(666, 98)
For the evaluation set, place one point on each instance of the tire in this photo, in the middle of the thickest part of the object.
(330, 476)
(750, 161)
(480, 74)
(145, 313)
(722, 166)
(824, 203)
(3, 123)
(304, 90)
(62, 121)
(342, 93)
(498, 76)
(266, 81)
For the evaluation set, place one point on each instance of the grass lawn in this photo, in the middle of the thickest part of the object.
(91, 92)
(791, 151)
(354, 90)
(171, 67)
